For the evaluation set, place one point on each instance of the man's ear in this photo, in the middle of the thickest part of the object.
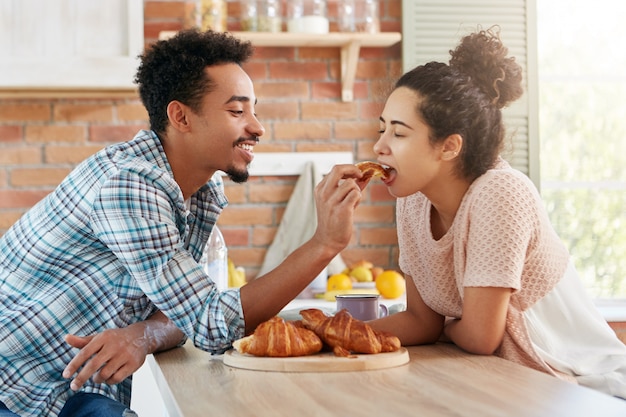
(452, 147)
(177, 113)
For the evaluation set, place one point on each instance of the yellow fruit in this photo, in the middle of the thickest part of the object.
(338, 282)
(236, 275)
(390, 284)
(362, 274)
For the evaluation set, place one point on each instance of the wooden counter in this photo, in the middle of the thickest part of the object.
(439, 380)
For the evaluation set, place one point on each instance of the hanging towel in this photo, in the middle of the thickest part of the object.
(299, 222)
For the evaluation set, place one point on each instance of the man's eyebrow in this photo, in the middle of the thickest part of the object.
(240, 98)
(396, 122)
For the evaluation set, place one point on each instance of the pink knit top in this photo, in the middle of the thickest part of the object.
(501, 237)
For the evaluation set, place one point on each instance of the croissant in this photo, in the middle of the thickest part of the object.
(279, 338)
(372, 170)
(346, 334)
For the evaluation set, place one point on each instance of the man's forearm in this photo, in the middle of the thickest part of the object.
(161, 333)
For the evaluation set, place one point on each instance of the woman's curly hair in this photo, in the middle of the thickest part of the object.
(466, 96)
(173, 69)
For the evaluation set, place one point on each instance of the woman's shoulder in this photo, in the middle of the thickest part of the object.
(502, 177)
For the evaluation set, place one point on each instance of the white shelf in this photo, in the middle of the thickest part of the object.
(350, 44)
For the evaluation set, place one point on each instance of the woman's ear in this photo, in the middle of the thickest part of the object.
(177, 113)
(452, 146)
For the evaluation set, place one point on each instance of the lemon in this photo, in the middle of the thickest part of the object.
(362, 274)
(390, 284)
(338, 282)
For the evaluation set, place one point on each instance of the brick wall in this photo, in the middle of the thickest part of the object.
(42, 137)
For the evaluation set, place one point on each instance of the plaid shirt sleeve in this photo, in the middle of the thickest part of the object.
(135, 218)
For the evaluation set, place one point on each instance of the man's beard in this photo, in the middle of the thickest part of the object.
(238, 176)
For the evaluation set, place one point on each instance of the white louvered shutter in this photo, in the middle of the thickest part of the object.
(431, 28)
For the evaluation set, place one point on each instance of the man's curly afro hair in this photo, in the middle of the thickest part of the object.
(173, 69)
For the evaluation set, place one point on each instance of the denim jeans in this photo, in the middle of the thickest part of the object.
(4, 411)
(85, 404)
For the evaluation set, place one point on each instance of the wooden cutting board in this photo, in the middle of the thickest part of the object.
(321, 362)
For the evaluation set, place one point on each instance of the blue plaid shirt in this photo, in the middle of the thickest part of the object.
(113, 243)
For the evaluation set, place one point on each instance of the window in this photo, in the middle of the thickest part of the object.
(582, 125)
(69, 43)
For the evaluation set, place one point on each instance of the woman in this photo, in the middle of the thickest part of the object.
(484, 267)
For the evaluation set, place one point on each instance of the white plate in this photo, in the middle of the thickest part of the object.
(357, 285)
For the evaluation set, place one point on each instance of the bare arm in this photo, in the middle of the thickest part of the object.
(114, 354)
(336, 198)
(481, 328)
(418, 325)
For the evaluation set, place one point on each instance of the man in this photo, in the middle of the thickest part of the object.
(108, 262)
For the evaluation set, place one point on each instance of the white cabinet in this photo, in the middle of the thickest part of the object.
(69, 44)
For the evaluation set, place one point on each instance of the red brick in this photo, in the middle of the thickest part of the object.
(267, 111)
(324, 147)
(11, 134)
(22, 155)
(25, 199)
(113, 134)
(246, 216)
(236, 236)
(374, 214)
(298, 70)
(332, 54)
(163, 10)
(131, 112)
(236, 193)
(257, 71)
(151, 30)
(55, 134)
(24, 112)
(69, 154)
(263, 236)
(380, 193)
(263, 53)
(325, 90)
(270, 193)
(357, 130)
(38, 176)
(378, 236)
(302, 130)
(282, 90)
(247, 257)
(83, 113)
(8, 218)
(329, 111)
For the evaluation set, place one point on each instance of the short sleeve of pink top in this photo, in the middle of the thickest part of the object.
(501, 237)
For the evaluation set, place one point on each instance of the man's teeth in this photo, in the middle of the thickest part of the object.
(246, 147)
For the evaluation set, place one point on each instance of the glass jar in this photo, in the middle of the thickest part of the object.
(358, 16)
(206, 14)
(307, 16)
(249, 15)
(367, 16)
(346, 15)
(270, 19)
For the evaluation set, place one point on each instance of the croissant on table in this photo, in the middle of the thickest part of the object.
(279, 338)
(346, 334)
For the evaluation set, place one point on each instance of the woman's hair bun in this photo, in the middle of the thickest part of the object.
(483, 58)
